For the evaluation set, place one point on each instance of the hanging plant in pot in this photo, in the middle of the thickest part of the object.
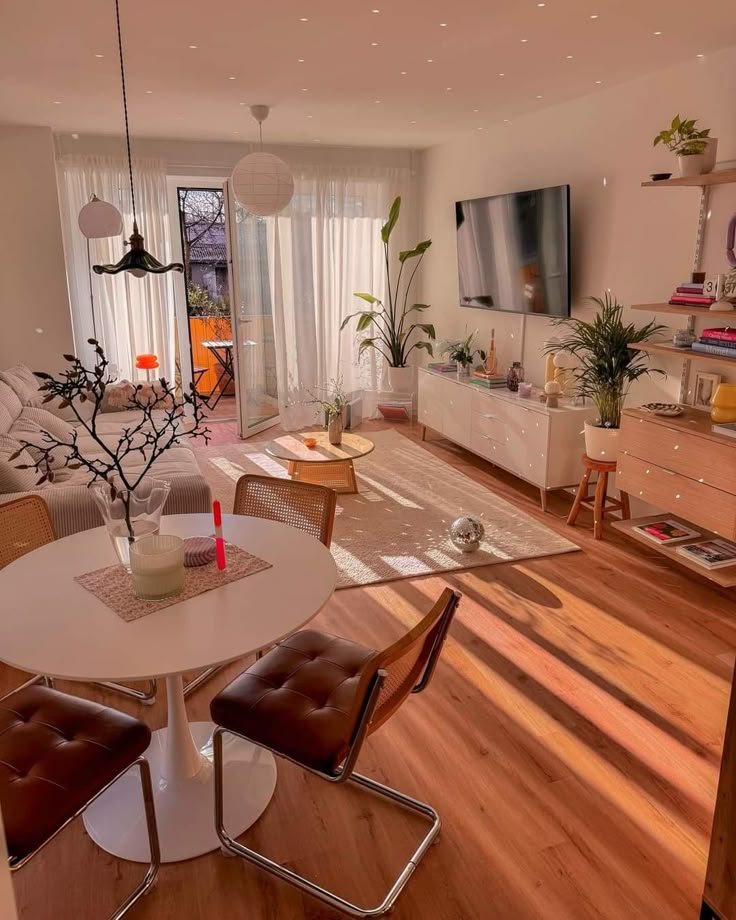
(695, 148)
(391, 322)
(606, 367)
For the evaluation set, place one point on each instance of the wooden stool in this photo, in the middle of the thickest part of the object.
(601, 503)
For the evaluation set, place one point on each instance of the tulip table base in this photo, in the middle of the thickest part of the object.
(182, 773)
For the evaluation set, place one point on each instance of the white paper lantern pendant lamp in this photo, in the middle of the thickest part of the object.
(99, 219)
(262, 182)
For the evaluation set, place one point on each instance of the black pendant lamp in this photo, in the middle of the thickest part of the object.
(136, 260)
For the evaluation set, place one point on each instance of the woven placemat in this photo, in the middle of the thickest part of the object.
(114, 586)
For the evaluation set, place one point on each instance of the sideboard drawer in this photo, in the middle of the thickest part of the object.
(490, 425)
(456, 413)
(493, 450)
(688, 498)
(430, 396)
(701, 459)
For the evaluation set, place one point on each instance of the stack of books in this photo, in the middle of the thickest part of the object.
(690, 294)
(717, 342)
(480, 377)
(443, 367)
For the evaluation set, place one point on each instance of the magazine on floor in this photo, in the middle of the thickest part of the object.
(713, 554)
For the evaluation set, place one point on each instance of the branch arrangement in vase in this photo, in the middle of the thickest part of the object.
(607, 367)
(158, 427)
(391, 322)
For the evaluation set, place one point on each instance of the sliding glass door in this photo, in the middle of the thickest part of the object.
(251, 308)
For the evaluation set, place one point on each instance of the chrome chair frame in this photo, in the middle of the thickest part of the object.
(149, 879)
(345, 773)
(148, 696)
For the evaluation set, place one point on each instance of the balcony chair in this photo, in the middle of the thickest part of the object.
(355, 690)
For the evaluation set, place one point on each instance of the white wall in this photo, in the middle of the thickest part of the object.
(638, 242)
(36, 325)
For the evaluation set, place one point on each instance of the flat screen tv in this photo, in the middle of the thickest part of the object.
(514, 252)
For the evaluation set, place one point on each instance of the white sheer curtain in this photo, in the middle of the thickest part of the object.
(325, 246)
(133, 315)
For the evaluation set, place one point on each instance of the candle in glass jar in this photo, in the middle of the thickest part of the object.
(157, 566)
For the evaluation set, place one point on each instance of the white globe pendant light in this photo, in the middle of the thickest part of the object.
(99, 219)
(262, 182)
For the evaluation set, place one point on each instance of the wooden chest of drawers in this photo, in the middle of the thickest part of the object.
(680, 465)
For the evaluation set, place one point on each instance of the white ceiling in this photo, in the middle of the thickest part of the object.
(347, 90)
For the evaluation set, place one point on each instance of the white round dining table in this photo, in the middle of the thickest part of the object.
(50, 624)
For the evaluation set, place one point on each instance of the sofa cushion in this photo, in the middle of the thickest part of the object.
(32, 419)
(11, 478)
(53, 406)
(10, 407)
(23, 381)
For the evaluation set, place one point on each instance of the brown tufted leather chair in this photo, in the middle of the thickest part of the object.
(314, 699)
(58, 753)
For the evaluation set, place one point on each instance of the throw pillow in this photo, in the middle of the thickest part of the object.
(23, 381)
(34, 436)
(47, 421)
(11, 478)
(85, 409)
(10, 407)
(117, 396)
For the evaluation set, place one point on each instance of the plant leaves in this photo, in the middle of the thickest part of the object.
(366, 343)
(417, 306)
(369, 298)
(427, 346)
(393, 216)
(418, 250)
(365, 320)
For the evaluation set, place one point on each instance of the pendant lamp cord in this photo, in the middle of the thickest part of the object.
(125, 108)
(260, 131)
(91, 292)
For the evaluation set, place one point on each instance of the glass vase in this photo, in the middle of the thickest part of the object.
(131, 514)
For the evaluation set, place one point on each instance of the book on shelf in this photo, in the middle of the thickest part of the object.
(727, 428)
(691, 300)
(722, 350)
(719, 343)
(666, 531)
(688, 288)
(712, 554)
(725, 333)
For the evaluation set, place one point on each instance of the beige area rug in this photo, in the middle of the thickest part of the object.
(397, 526)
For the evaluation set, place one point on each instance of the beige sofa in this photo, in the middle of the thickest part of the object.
(24, 418)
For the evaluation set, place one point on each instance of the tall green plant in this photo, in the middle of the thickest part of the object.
(607, 366)
(389, 321)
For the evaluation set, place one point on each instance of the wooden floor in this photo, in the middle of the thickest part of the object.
(570, 740)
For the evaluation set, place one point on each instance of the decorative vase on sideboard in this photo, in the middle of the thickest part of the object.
(403, 379)
(601, 443)
(462, 370)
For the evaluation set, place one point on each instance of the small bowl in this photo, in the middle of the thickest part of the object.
(311, 443)
(660, 177)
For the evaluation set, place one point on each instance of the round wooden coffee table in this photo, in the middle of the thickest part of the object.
(325, 464)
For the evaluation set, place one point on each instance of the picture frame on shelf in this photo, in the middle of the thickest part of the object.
(704, 390)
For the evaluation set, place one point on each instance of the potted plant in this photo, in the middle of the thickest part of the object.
(695, 148)
(606, 367)
(463, 352)
(391, 322)
(333, 404)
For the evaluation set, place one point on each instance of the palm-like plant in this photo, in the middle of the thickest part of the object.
(607, 366)
(389, 321)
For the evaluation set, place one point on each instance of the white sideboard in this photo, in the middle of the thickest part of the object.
(540, 445)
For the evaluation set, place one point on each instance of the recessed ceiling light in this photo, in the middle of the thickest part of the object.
(242, 103)
(231, 78)
(377, 101)
(594, 15)
(194, 47)
(303, 19)
(310, 116)
(149, 92)
(75, 137)
(505, 121)
(99, 55)
(479, 129)
(598, 82)
(443, 25)
(403, 73)
(502, 75)
(568, 57)
(413, 122)
(57, 101)
(300, 60)
(524, 41)
(700, 55)
(236, 132)
(375, 11)
(657, 33)
(541, 4)
(374, 44)
(448, 89)
(539, 96)
(304, 89)
(476, 110)
(430, 60)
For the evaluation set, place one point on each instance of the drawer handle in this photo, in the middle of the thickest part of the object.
(669, 472)
(487, 438)
(488, 415)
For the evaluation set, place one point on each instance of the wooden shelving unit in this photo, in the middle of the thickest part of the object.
(685, 354)
(725, 577)
(683, 311)
(720, 177)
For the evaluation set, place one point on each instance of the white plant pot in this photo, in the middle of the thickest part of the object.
(693, 165)
(403, 379)
(710, 155)
(601, 443)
